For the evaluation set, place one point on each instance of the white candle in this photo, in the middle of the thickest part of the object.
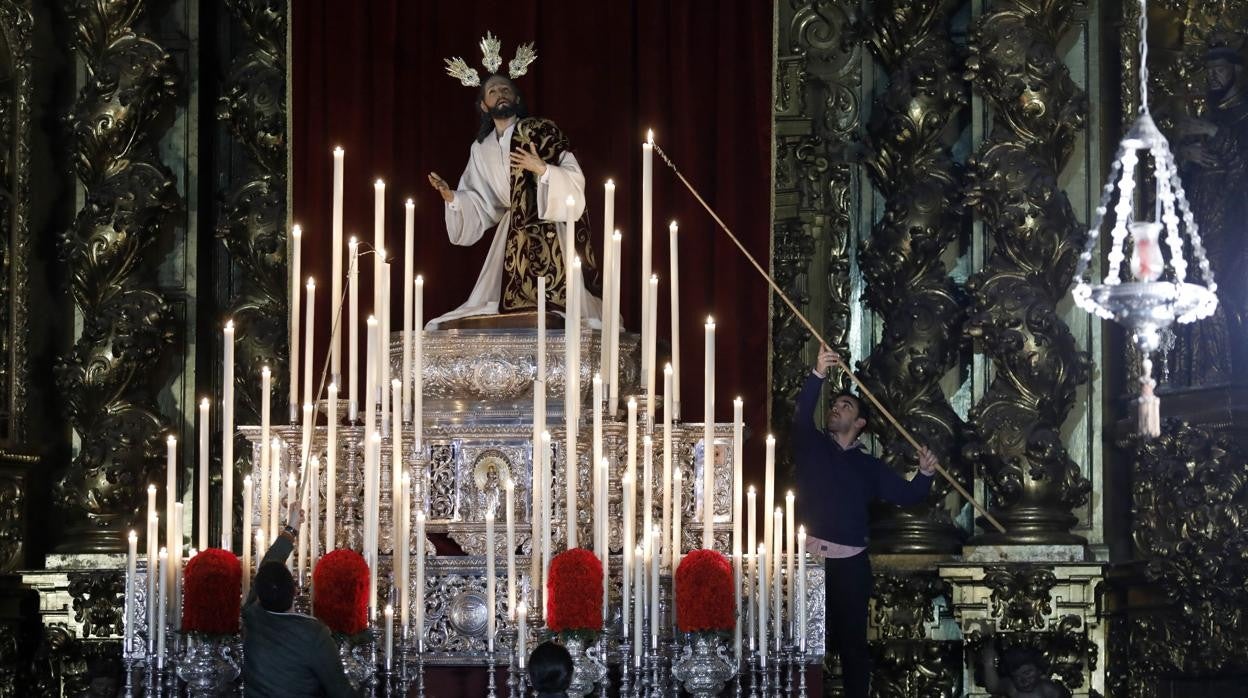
(132, 553)
(409, 283)
(162, 611)
(171, 494)
(608, 265)
(313, 487)
(509, 488)
(569, 242)
(296, 242)
(405, 551)
(522, 634)
(647, 495)
(175, 564)
(331, 469)
(265, 387)
(227, 439)
(547, 509)
(801, 589)
(738, 429)
(667, 468)
(647, 223)
(656, 539)
(674, 294)
(790, 560)
(275, 487)
(202, 493)
(600, 520)
(708, 441)
(305, 448)
(769, 490)
(353, 332)
(626, 535)
(776, 622)
(752, 528)
(290, 491)
(420, 580)
(572, 387)
(336, 319)
(600, 480)
(639, 557)
(538, 484)
(613, 337)
(152, 542)
(397, 467)
(379, 246)
(489, 578)
(389, 613)
(761, 584)
(648, 349)
(308, 395)
(677, 542)
(247, 493)
(370, 374)
(418, 367)
(373, 517)
(383, 348)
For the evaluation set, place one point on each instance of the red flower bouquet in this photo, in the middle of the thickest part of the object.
(574, 592)
(704, 597)
(340, 591)
(211, 586)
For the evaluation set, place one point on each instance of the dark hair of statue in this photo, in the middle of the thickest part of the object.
(487, 122)
(550, 669)
(275, 587)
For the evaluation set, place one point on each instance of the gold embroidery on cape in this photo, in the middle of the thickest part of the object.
(534, 247)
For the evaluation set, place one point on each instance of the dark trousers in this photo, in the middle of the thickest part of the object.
(848, 590)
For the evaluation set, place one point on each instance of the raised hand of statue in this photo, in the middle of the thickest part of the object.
(1196, 153)
(528, 160)
(448, 195)
(1192, 126)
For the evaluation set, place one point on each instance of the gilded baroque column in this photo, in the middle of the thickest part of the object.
(1015, 432)
(910, 135)
(816, 112)
(109, 380)
(253, 220)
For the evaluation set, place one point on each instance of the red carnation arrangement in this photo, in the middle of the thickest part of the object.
(574, 590)
(340, 591)
(212, 583)
(704, 596)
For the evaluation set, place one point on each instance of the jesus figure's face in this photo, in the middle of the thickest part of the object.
(499, 98)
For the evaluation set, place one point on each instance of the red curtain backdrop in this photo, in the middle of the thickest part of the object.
(369, 76)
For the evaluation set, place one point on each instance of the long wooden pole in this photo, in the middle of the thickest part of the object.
(866, 392)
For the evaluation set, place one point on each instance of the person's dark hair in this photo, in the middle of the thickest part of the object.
(487, 121)
(864, 408)
(1224, 53)
(275, 587)
(550, 669)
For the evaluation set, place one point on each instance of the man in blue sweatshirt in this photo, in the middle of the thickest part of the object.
(836, 480)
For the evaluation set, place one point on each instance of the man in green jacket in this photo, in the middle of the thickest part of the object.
(286, 653)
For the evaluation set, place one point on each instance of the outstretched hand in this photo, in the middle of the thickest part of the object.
(442, 187)
(293, 515)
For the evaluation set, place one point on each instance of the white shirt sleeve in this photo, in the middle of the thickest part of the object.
(554, 188)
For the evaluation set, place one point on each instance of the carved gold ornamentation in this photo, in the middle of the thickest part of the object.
(911, 164)
(16, 24)
(253, 220)
(108, 382)
(1015, 432)
(816, 112)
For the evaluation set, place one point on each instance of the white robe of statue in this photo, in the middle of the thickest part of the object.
(482, 199)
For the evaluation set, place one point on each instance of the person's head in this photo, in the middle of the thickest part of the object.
(1023, 666)
(1223, 69)
(498, 98)
(550, 668)
(848, 416)
(275, 587)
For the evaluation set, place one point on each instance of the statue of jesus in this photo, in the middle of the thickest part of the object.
(520, 175)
